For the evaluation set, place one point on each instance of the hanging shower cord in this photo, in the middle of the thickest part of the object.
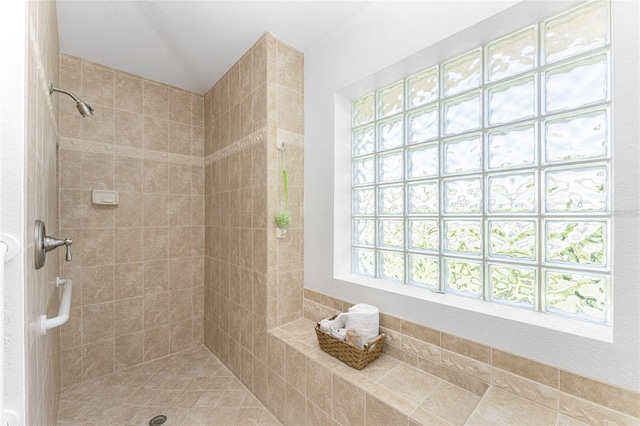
(283, 218)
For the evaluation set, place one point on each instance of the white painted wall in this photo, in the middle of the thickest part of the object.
(12, 147)
(387, 32)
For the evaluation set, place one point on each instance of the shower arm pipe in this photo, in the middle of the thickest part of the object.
(63, 312)
(66, 92)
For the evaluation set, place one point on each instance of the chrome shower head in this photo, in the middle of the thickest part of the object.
(84, 108)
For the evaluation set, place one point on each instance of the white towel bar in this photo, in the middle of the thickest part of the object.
(63, 312)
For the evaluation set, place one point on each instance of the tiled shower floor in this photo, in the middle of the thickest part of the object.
(190, 388)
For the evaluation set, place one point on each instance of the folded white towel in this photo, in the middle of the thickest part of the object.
(339, 333)
(365, 319)
(325, 326)
(340, 321)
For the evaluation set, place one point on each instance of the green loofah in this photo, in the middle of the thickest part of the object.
(283, 219)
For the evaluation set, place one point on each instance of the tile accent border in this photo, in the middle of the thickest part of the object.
(474, 367)
(126, 151)
(256, 137)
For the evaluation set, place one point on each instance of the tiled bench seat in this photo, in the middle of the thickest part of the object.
(308, 386)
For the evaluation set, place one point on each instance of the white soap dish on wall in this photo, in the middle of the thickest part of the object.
(104, 197)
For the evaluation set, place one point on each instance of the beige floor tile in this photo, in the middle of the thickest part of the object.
(248, 416)
(223, 416)
(71, 411)
(218, 383)
(267, 419)
(499, 408)
(232, 398)
(187, 398)
(236, 385)
(146, 369)
(158, 382)
(163, 398)
(175, 416)
(75, 393)
(100, 393)
(145, 414)
(179, 358)
(140, 397)
(209, 399)
(250, 401)
(97, 413)
(191, 388)
(199, 416)
(122, 414)
(199, 383)
(136, 380)
(115, 379)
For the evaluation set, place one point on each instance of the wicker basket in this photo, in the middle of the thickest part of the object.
(350, 355)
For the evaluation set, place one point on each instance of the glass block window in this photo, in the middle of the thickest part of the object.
(489, 175)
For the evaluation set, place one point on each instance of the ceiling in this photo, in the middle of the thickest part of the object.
(190, 44)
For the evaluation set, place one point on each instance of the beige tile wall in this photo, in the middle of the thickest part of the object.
(286, 87)
(138, 267)
(477, 368)
(235, 231)
(253, 281)
(42, 353)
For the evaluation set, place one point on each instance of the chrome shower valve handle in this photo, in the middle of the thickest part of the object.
(45, 243)
(50, 243)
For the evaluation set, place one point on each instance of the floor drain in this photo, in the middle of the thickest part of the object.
(157, 420)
